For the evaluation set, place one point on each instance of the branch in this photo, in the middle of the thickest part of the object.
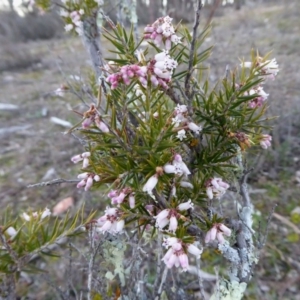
(244, 188)
(91, 41)
(192, 48)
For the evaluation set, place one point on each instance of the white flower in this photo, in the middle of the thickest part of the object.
(186, 184)
(186, 205)
(176, 121)
(26, 217)
(150, 184)
(45, 213)
(11, 232)
(195, 128)
(69, 27)
(131, 201)
(181, 134)
(246, 64)
(194, 250)
(270, 67)
(169, 169)
(180, 109)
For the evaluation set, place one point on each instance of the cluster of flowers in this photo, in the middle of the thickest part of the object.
(265, 142)
(162, 31)
(118, 197)
(260, 99)
(216, 232)
(12, 232)
(267, 70)
(46, 212)
(75, 17)
(180, 120)
(176, 254)
(171, 216)
(216, 188)
(159, 69)
(111, 221)
(87, 179)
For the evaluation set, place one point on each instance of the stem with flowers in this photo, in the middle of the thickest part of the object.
(167, 147)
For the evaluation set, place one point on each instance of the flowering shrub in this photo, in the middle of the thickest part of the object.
(167, 146)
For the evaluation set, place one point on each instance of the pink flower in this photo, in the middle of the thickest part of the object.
(265, 142)
(162, 31)
(102, 126)
(87, 122)
(84, 156)
(216, 232)
(127, 74)
(118, 199)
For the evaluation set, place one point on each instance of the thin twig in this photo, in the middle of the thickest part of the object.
(10, 250)
(263, 242)
(163, 280)
(158, 263)
(53, 182)
(200, 281)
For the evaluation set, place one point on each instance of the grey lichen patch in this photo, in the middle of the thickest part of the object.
(229, 290)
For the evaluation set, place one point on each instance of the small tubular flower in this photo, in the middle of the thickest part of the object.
(45, 213)
(82, 157)
(87, 180)
(150, 184)
(216, 187)
(194, 250)
(186, 205)
(131, 200)
(265, 142)
(165, 217)
(176, 254)
(195, 128)
(268, 68)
